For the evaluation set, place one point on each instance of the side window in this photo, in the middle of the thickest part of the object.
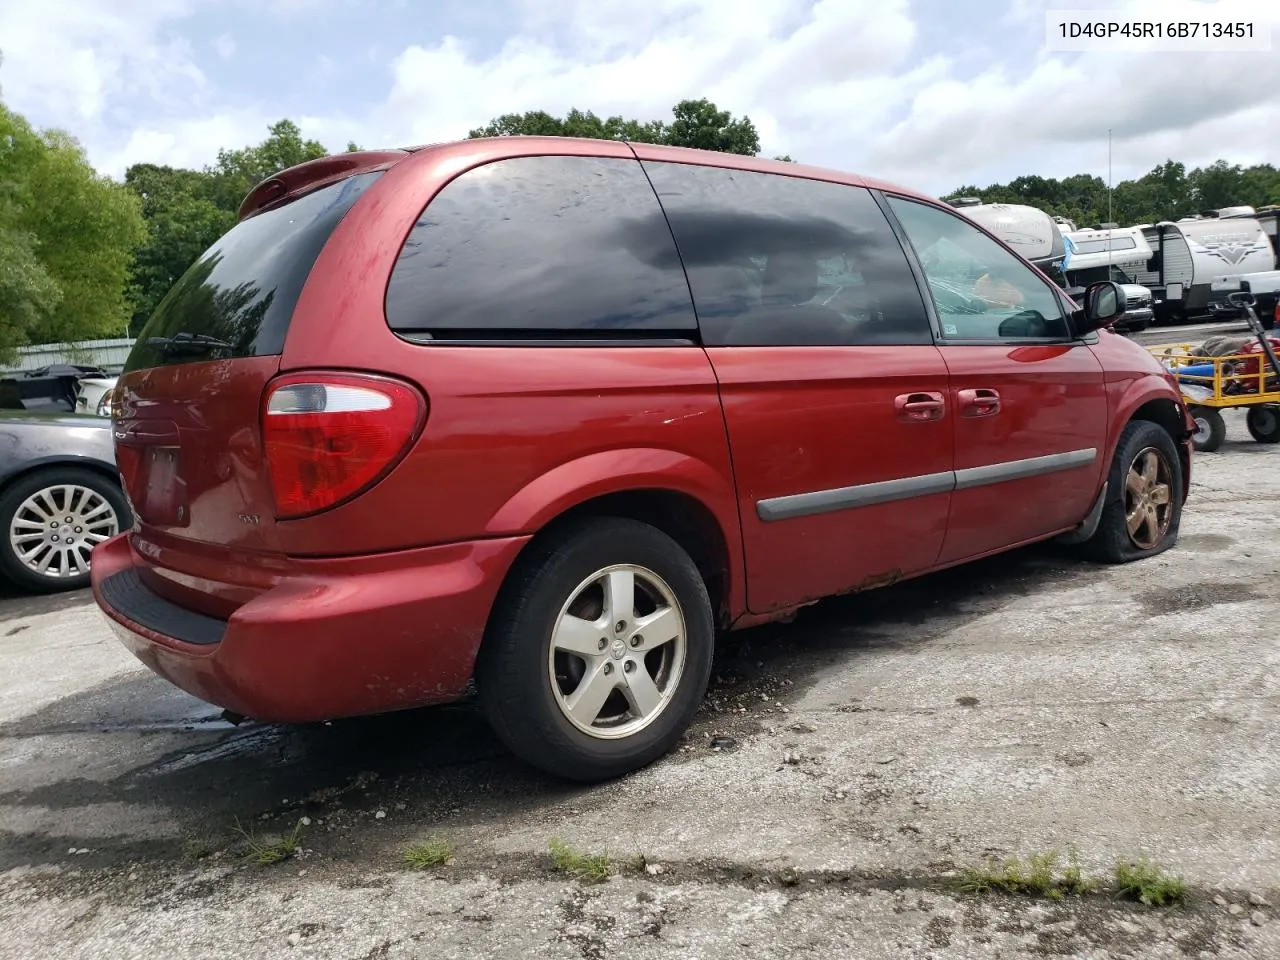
(980, 290)
(550, 248)
(782, 261)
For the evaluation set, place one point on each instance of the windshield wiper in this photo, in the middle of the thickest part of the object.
(188, 342)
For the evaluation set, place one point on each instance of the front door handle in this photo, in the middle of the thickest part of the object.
(979, 402)
(920, 407)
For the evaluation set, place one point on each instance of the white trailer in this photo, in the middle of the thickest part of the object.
(1030, 232)
(1188, 256)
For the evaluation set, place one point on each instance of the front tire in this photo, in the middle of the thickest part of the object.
(1144, 497)
(1211, 429)
(598, 653)
(1264, 423)
(51, 520)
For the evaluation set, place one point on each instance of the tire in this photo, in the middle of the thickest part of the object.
(1113, 542)
(1264, 423)
(526, 688)
(40, 499)
(1211, 429)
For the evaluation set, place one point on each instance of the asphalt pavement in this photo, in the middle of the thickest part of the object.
(851, 779)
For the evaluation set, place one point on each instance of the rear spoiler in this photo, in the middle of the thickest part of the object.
(314, 174)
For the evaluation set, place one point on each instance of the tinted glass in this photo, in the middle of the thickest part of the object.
(783, 261)
(542, 247)
(242, 291)
(980, 289)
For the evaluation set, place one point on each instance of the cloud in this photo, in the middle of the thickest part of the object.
(76, 59)
(224, 45)
(1052, 115)
(928, 93)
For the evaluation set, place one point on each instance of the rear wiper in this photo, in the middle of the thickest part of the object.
(185, 341)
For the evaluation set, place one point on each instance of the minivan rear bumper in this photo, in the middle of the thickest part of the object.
(336, 638)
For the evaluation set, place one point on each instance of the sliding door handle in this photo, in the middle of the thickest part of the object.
(920, 407)
(979, 402)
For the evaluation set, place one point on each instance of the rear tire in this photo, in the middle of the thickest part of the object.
(34, 531)
(567, 677)
(1144, 497)
(1211, 429)
(1264, 423)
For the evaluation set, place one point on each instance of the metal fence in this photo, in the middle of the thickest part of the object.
(110, 355)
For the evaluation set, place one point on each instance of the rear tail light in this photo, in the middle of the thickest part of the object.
(1277, 313)
(329, 437)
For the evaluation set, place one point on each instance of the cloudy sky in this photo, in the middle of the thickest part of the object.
(930, 93)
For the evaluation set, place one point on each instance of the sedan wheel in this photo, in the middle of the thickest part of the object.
(52, 520)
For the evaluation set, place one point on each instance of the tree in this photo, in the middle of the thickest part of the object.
(67, 237)
(187, 211)
(696, 123)
(239, 171)
(183, 220)
(1166, 192)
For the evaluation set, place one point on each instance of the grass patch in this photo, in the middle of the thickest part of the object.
(428, 854)
(266, 853)
(1147, 883)
(592, 867)
(1042, 875)
(199, 848)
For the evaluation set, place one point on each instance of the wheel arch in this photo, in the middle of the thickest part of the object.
(1149, 399)
(30, 467)
(685, 498)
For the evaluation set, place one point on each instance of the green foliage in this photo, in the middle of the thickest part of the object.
(188, 210)
(239, 171)
(428, 854)
(1167, 192)
(591, 867)
(696, 123)
(265, 853)
(1147, 883)
(1041, 876)
(67, 237)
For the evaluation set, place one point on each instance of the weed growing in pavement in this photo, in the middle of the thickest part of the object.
(1147, 883)
(276, 851)
(428, 854)
(592, 867)
(198, 848)
(1040, 876)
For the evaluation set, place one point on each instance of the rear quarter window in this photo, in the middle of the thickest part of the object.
(243, 289)
(547, 249)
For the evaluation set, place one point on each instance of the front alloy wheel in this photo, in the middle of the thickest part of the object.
(1148, 498)
(1143, 507)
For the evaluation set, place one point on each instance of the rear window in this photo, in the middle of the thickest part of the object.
(242, 291)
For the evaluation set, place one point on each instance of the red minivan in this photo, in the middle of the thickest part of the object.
(550, 414)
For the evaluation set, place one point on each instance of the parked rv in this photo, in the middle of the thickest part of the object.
(1031, 232)
(1265, 284)
(1190, 255)
(1111, 252)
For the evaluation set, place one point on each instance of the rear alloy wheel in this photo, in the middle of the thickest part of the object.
(1144, 496)
(52, 520)
(1264, 423)
(599, 650)
(1211, 429)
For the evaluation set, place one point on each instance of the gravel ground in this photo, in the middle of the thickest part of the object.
(846, 773)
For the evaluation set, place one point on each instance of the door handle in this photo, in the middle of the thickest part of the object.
(920, 407)
(979, 402)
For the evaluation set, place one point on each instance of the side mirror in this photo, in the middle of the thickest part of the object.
(1103, 305)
